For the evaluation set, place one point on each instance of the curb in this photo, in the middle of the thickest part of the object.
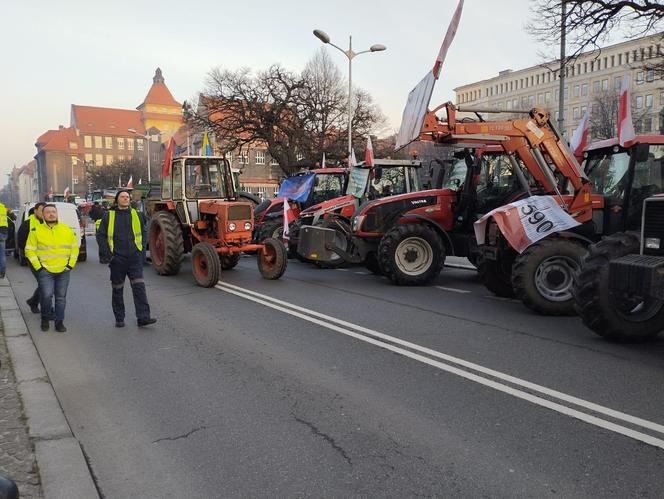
(63, 470)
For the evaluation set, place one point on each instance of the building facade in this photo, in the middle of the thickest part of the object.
(592, 76)
(98, 137)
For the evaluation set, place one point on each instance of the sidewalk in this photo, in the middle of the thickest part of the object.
(37, 448)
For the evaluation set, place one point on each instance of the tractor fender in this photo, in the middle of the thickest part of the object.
(447, 240)
(577, 237)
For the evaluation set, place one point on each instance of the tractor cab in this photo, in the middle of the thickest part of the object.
(198, 177)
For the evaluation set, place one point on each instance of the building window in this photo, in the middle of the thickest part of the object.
(661, 99)
(575, 113)
(647, 124)
(619, 59)
(617, 83)
(130, 144)
(99, 160)
(300, 157)
(121, 158)
(583, 110)
(88, 158)
(613, 60)
(639, 102)
(540, 99)
(639, 77)
(547, 97)
(139, 144)
(605, 84)
(87, 141)
(585, 67)
(531, 101)
(524, 101)
(584, 89)
(566, 92)
(576, 90)
(108, 142)
(515, 103)
(508, 105)
(98, 142)
(595, 87)
(120, 143)
(274, 162)
(73, 145)
(260, 157)
(243, 158)
(650, 75)
(606, 62)
(109, 159)
(649, 101)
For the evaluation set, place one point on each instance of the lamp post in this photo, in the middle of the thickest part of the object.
(147, 138)
(323, 37)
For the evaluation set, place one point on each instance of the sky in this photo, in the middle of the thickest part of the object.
(103, 53)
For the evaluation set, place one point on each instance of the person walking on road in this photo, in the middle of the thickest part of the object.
(34, 219)
(4, 231)
(52, 249)
(120, 237)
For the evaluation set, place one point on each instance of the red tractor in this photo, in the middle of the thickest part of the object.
(198, 211)
(328, 183)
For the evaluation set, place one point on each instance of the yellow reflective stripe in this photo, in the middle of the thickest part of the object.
(27, 248)
(53, 257)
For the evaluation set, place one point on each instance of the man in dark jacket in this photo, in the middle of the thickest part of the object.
(34, 218)
(121, 236)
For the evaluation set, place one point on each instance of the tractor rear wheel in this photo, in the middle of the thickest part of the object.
(272, 259)
(205, 264)
(372, 264)
(166, 243)
(229, 261)
(543, 275)
(612, 316)
(411, 254)
(273, 227)
(341, 231)
(496, 276)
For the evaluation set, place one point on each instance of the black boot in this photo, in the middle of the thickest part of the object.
(44, 325)
(34, 307)
(60, 327)
(146, 322)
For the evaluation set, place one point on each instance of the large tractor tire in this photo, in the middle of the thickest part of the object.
(166, 243)
(411, 254)
(543, 275)
(229, 261)
(205, 264)
(372, 264)
(342, 230)
(272, 259)
(496, 276)
(614, 317)
(273, 228)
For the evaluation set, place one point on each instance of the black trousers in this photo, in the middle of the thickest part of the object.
(132, 267)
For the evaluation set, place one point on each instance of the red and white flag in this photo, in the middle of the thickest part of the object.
(286, 210)
(353, 160)
(66, 193)
(447, 41)
(526, 221)
(130, 182)
(625, 126)
(50, 193)
(579, 138)
(166, 166)
(368, 153)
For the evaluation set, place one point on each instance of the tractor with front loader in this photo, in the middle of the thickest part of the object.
(199, 212)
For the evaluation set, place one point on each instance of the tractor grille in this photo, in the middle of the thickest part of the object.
(653, 224)
(239, 212)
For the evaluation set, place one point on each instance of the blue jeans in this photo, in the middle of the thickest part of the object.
(3, 258)
(49, 285)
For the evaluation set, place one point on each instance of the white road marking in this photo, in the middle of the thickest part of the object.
(501, 298)
(454, 290)
(335, 324)
(362, 273)
(460, 266)
(342, 270)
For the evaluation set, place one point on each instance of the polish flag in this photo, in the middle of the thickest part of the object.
(580, 136)
(66, 193)
(447, 41)
(353, 160)
(368, 153)
(166, 167)
(625, 126)
(286, 209)
(130, 182)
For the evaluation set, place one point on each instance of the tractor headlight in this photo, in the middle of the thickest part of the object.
(357, 222)
(247, 225)
(652, 242)
(232, 226)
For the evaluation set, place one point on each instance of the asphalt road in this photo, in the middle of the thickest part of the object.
(331, 383)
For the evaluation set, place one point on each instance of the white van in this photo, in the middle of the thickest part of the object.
(67, 213)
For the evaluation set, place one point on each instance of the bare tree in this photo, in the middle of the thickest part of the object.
(604, 114)
(105, 177)
(297, 117)
(588, 23)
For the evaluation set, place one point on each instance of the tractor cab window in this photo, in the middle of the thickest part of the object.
(455, 175)
(497, 182)
(205, 179)
(177, 180)
(388, 182)
(327, 186)
(648, 181)
(607, 172)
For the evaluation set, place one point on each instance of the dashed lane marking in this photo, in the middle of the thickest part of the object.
(453, 290)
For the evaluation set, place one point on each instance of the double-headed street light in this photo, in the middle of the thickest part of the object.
(323, 37)
(147, 138)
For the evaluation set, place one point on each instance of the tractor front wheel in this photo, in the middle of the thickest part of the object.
(272, 259)
(166, 243)
(205, 265)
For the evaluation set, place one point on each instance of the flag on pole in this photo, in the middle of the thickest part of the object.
(166, 167)
(140, 181)
(207, 148)
(447, 41)
(66, 193)
(286, 210)
(353, 161)
(50, 193)
(130, 183)
(625, 125)
(322, 165)
(368, 153)
(579, 139)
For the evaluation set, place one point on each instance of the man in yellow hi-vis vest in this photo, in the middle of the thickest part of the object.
(121, 236)
(52, 249)
(4, 230)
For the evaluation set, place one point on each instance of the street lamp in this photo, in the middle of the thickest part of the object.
(147, 138)
(323, 37)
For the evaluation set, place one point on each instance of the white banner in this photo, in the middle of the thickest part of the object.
(415, 111)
